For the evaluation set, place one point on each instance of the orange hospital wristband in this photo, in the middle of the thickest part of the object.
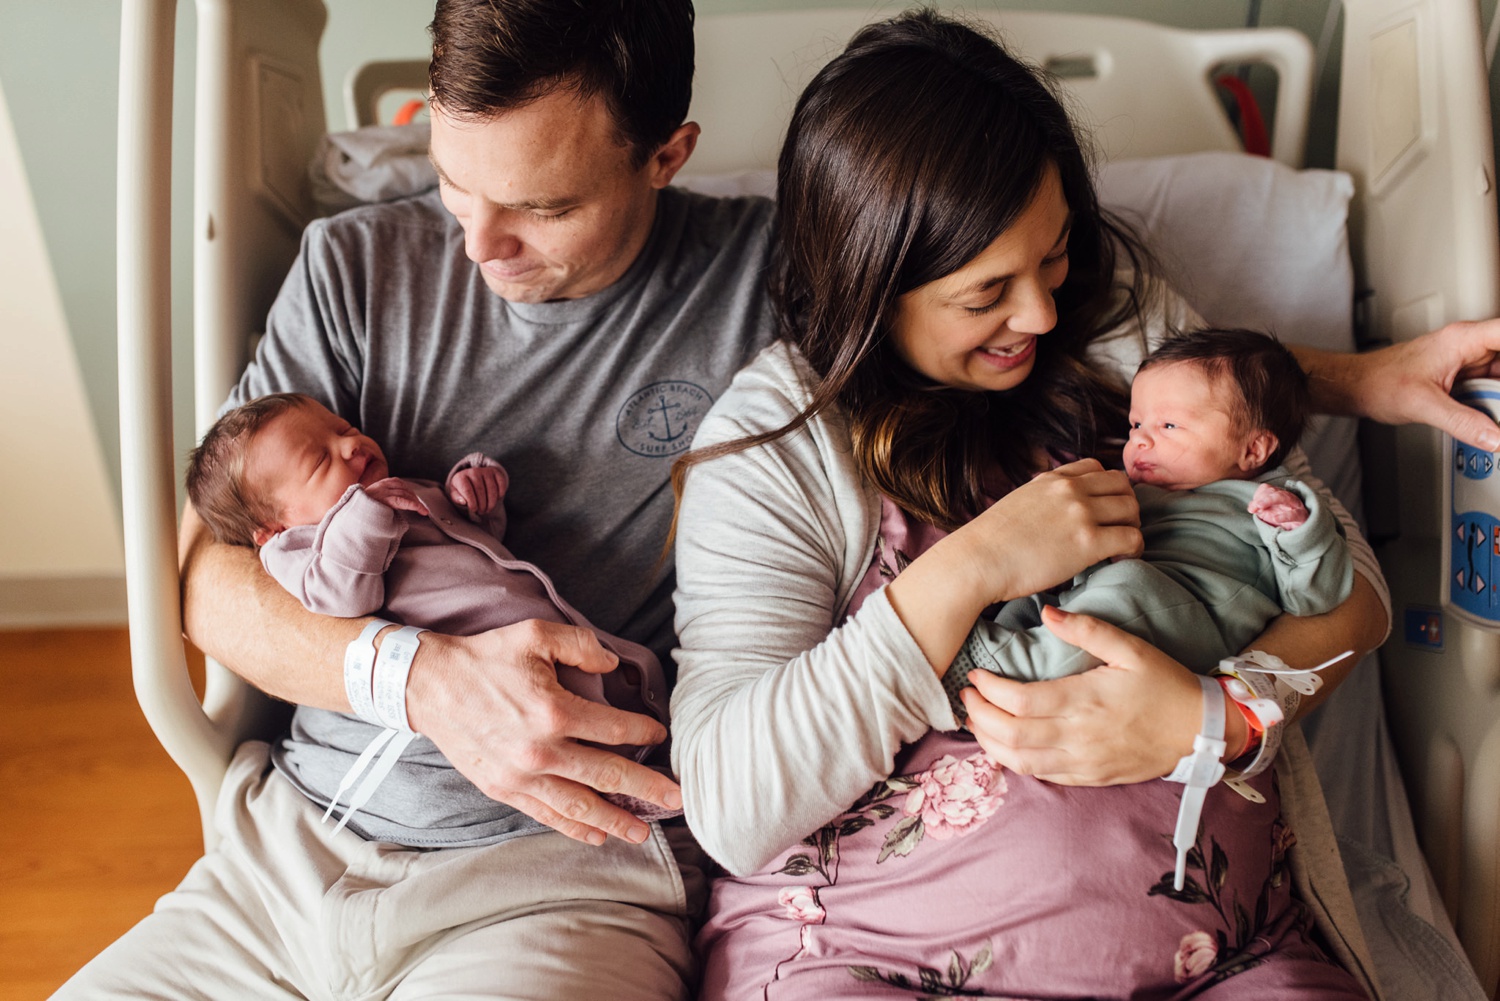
(1255, 731)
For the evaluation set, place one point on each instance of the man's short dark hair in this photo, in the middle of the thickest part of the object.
(492, 56)
(1272, 388)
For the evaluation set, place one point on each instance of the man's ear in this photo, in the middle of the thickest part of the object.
(1257, 450)
(672, 154)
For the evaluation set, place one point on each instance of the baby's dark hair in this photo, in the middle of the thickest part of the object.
(231, 508)
(1272, 388)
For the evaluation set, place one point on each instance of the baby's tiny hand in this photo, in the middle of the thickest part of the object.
(477, 489)
(1278, 507)
(395, 494)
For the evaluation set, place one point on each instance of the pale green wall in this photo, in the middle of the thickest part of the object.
(59, 66)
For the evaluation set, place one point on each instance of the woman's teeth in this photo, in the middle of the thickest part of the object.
(1009, 351)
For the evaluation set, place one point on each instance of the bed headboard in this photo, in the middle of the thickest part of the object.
(1142, 89)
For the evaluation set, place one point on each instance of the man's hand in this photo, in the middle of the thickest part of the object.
(477, 489)
(493, 706)
(1409, 382)
(1128, 720)
(396, 494)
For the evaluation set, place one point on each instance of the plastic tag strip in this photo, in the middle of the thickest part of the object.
(1198, 772)
(376, 686)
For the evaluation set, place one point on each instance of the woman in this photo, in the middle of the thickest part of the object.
(955, 324)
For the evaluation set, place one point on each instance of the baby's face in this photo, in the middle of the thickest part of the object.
(1181, 433)
(306, 458)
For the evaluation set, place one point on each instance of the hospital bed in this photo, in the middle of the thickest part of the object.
(1249, 241)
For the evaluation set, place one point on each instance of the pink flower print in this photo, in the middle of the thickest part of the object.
(954, 797)
(1195, 955)
(801, 903)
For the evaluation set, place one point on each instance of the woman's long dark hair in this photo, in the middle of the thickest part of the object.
(906, 157)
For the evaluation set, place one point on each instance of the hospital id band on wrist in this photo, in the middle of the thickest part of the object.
(392, 666)
(1198, 772)
(376, 681)
(1272, 690)
(359, 671)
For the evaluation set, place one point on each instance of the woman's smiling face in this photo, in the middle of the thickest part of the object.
(977, 328)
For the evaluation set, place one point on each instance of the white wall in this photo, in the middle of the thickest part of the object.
(58, 524)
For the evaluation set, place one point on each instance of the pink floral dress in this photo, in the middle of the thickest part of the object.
(956, 878)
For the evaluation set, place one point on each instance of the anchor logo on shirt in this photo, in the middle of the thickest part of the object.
(665, 409)
(660, 419)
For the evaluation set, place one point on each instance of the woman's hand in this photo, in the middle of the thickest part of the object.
(1128, 720)
(1038, 535)
(1046, 531)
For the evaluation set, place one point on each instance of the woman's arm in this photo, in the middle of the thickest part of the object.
(1133, 718)
(782, 718)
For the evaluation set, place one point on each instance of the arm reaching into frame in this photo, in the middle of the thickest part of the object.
(1409, 383)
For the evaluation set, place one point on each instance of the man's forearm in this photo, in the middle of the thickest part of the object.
(1333, 379)
(236, 613)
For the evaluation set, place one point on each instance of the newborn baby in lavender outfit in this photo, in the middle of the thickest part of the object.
(288, 476)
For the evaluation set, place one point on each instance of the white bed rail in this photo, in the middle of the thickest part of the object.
(148, 489)
(1113, 66)
(259, 113)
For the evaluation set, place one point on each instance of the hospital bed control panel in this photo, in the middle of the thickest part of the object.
(1471, 549)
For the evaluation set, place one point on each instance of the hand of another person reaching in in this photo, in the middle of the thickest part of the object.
(1410, 382)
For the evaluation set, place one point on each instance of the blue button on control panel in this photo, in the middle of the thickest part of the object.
(1473, 492)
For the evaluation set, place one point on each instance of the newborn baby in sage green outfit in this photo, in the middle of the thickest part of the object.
(1231, 540)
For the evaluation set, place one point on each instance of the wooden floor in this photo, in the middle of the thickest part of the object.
(95, 820)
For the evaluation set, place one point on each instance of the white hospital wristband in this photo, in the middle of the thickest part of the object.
(359, 670)
(1198, 772)
(392, 665)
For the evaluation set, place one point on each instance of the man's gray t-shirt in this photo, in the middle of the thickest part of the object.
(586, 402)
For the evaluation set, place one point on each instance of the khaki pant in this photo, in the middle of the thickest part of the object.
(281, 910)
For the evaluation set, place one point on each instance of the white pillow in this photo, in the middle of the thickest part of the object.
(1250, 242)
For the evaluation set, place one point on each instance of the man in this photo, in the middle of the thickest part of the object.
(556, 305)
